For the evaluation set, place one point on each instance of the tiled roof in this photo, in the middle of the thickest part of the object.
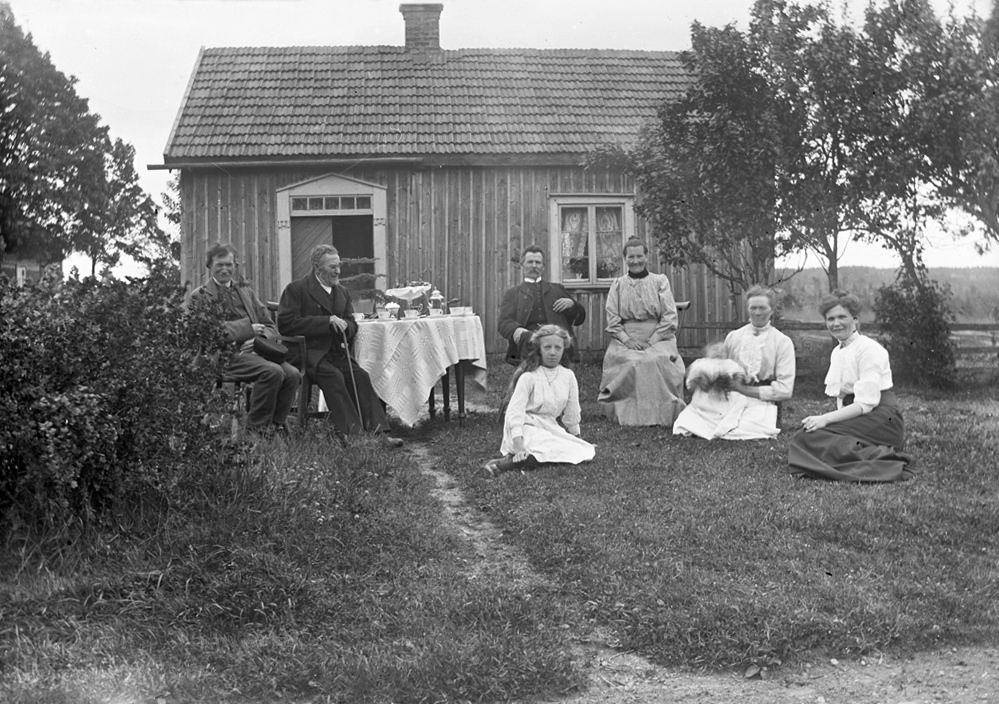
(382, 101)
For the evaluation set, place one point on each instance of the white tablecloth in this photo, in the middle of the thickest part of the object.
(406, 358)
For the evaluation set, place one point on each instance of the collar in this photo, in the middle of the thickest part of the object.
(327, 289)
(220, 285)
(759, 331)
(850, 340)
(642, 275)
(532, 281)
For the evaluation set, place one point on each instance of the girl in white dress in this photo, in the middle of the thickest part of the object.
(543, 390)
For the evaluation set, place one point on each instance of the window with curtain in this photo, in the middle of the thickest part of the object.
(588, 238)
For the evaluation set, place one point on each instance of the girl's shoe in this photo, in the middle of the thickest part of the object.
(493, 467)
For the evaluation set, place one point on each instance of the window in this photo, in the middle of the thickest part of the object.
(588, 234)
(325, 204)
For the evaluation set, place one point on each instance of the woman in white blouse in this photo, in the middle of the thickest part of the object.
(766, 358)
(642, 381)
(862, 440)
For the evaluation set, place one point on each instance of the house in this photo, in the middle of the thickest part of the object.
(24, 270)
(438, 165)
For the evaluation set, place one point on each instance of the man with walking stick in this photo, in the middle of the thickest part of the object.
(318, 307)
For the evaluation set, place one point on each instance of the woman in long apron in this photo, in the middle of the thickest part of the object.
(642, 380)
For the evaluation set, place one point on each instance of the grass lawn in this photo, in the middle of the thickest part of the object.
(313, 573)
(710, 555)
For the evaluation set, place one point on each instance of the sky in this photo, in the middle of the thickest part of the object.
(133, 58)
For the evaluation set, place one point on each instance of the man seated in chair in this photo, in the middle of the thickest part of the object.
(534, 303)
(245, 317)
(319, 308)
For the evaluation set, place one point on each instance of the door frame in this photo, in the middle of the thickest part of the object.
(332, 185)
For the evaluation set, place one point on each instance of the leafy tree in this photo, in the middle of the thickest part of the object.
(64, 186)
(706, 169)
(51, 150)
(797, 135)
(955, 98)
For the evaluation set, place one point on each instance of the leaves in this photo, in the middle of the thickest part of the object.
(64, 185)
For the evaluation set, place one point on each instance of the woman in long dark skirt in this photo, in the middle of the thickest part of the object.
(862, 440)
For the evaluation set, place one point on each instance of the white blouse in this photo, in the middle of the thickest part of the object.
(859, 366)
(764, 353)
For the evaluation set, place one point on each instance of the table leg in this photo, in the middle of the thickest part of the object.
(459, 381)
(446, 388)
(432, 402)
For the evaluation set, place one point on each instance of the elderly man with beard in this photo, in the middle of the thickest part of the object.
(319, 308)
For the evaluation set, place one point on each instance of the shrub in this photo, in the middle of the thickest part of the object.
(915, 324)
(103, 387)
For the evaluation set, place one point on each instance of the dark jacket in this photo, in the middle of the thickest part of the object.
(516, 309)
(239, 329)
(305, 310)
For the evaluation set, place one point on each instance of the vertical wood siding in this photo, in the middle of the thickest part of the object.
(463, 228)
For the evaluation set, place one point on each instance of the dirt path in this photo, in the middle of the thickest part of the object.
(958, 675)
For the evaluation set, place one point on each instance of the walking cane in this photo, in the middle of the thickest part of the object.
(353, 381)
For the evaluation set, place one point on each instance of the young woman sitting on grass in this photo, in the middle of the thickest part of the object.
(543, 390)
(862, 440)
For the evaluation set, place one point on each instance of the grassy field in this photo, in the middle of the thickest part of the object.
(313, 573)
(710, 555)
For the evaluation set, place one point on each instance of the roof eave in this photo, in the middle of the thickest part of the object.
(425, 160)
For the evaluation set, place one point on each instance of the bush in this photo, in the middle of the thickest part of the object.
(103, 388)
(915, 323)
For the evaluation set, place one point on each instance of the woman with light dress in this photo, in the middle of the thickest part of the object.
(642, 381)
(748, 411)
(543, 391)
(862, 440)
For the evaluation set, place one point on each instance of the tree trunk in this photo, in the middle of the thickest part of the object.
(832, 274)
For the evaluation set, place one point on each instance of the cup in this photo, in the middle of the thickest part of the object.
(358, 317)
(436, 312)
(410, 313)
(384, 315)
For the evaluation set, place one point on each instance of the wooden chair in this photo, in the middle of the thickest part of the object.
(241, 390)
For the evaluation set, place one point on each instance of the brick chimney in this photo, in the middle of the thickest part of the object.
(423, 32)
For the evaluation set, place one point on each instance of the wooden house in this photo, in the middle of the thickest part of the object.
(440, 165)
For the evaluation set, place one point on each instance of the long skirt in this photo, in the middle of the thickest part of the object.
(642, 387)
(548, 441)
(731, 416)
(867, 448)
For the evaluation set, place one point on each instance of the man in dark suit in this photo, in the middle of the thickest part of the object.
(534, 303)
(319, 308)
(245, 317)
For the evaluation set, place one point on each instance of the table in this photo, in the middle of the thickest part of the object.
(405, 359)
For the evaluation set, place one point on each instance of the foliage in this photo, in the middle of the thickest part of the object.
(706, 168)
(108, 386)
(954, 94)
(915, 326)
(805, 132)
(64, 185)
(125, 220)
(51, 150)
